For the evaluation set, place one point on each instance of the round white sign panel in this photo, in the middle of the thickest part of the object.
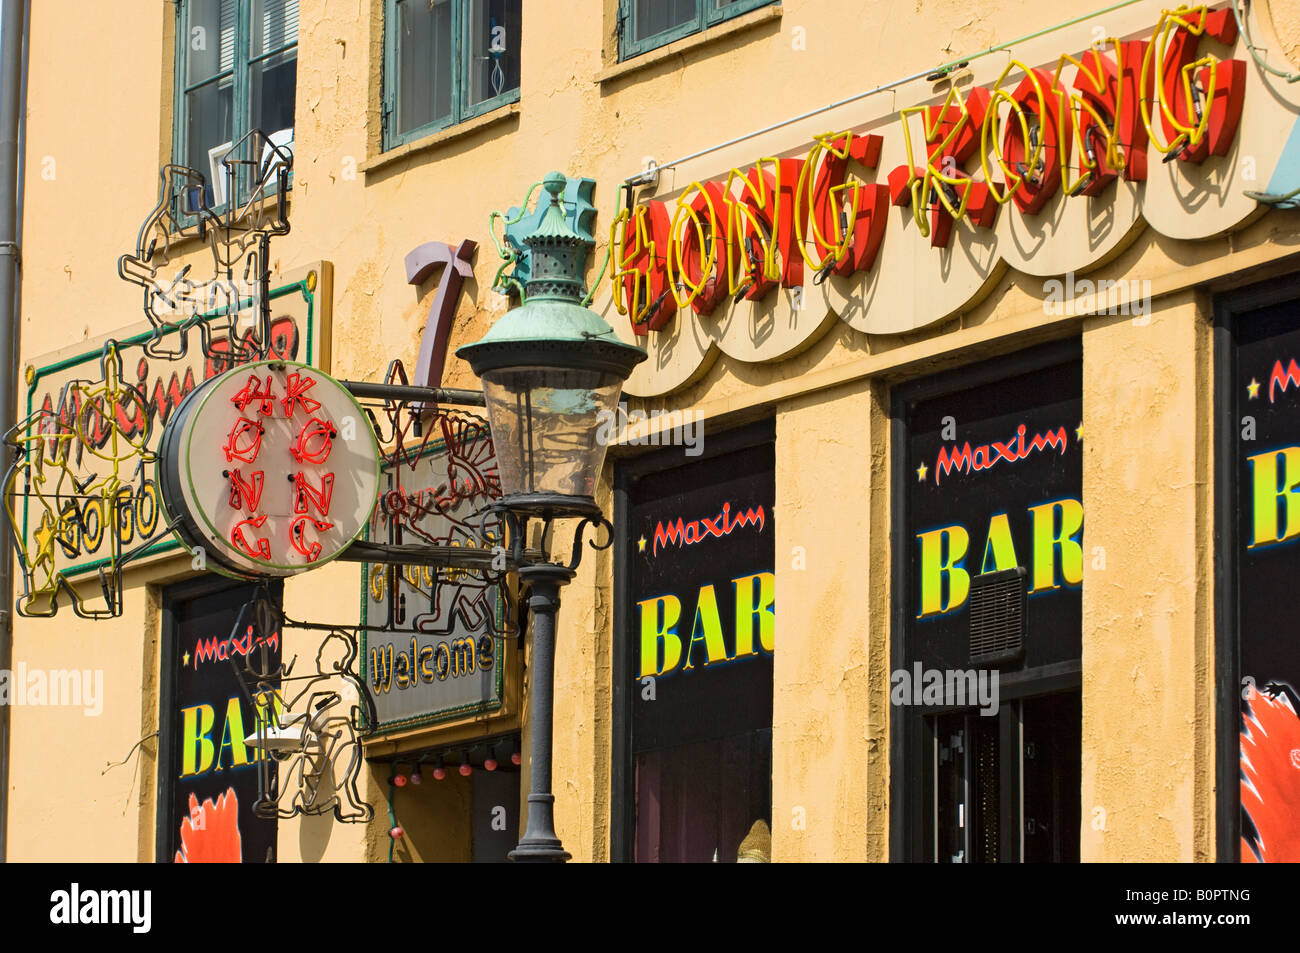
(272, 468)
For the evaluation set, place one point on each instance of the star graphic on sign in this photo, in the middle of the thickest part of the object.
(1253, 388)
(640, 544)
(920, 472)
(45, 534)
(185, 659)
(1078, 431)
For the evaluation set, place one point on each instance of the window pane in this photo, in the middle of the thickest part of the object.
(271, 87)
(275, 25)
(423, 63)
(208, 114)
(493, 65)
(272, 83)
(698, 802)
(210, 44)
(659, 16)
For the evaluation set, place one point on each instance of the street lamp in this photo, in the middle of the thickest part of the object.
(552, 369)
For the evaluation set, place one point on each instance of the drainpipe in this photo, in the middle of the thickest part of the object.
(12, 93)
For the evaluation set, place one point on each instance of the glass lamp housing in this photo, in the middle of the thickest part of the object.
(545, 422)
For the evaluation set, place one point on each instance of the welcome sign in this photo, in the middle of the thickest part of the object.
(430, 645)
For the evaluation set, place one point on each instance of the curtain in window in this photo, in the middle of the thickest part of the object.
(273, 72)
(209, 79)
(275, 26)
(423, 63)
(227, 45)
(659, 16)
(695, 803)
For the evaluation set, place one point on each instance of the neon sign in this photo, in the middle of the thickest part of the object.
(757, 228)
(270, 469)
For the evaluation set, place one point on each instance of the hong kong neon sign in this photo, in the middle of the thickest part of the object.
(269, 469)
(1097, 117)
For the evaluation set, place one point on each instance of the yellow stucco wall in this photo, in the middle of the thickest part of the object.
(1148, 748)
(95, 139)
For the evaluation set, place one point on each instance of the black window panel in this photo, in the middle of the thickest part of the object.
(204, 764)
(1258, 667)
(697, 766)
(963, 789)
(1043, 400)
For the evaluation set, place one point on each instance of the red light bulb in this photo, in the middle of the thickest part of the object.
(396, 832)
(490, 764)
(439, 772)
(516, 757)
(400, 780)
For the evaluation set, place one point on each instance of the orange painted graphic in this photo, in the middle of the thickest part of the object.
(1270, 778)
(210, 835)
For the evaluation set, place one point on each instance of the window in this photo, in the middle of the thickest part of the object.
(206, 773)
(446, 61)
(645, 25)
(236, 70)
(696, 617)
(986, 726)
(1257, 669)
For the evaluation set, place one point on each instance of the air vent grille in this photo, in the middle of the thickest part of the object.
(997, 616)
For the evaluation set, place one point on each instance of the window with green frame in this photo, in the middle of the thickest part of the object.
(446, 61)
(644, 25)
(236, 70)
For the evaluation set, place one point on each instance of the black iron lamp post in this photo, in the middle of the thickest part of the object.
(552, 370)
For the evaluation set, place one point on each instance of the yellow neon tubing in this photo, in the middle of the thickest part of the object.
(922, 187)
(1192, 134)
(616, 256)
(1076, 104)
(840, 247)
(991, 120)
(621, 262)
(707, 264)
(738, 213)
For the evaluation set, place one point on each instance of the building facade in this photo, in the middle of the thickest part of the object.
(968, 334)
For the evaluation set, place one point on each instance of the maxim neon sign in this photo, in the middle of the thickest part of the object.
(682, 533)
(986, 456)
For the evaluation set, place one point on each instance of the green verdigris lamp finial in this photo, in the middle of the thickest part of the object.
(558, 253)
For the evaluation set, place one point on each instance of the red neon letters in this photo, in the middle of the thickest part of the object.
(311, 446)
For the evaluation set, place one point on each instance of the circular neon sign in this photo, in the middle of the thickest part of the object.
(269, 469)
